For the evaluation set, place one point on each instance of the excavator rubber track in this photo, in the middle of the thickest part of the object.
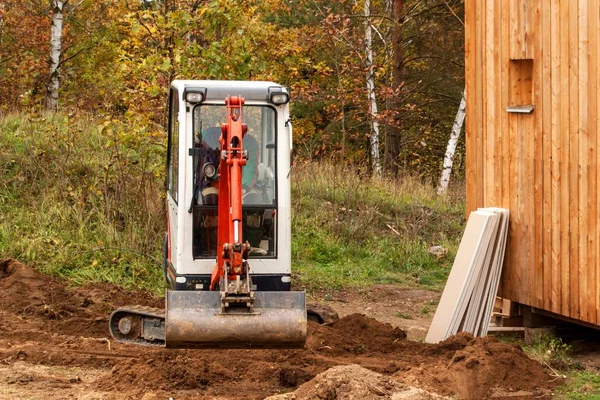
(138, 325)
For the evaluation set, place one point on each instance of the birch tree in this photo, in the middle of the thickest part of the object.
(451, 148)
(375, 160)
(56, 34)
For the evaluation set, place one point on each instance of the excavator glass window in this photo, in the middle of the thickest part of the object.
(173, 153)
(259, 184)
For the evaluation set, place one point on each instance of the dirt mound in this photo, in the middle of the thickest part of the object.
(354, 334)
(43, 322)
(479, 367)
(350, 382)
(20, 286)
(82, 311)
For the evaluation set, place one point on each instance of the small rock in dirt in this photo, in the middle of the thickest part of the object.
(438, 251)
(293, 377)
(458, 357)
(22, 379)
(6, 268)
(471, 363)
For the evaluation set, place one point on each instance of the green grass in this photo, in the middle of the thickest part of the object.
(552, 352)
(81, 198)
(353, 230)
(580, 385)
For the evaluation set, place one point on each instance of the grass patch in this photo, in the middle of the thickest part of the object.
(80, 198)
(352, 230)
(556, 355)
(426, 310)
(403, 315)
(551, 351)
(580, 385)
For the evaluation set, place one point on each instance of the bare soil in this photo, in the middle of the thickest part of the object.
(54, 344)
(409, 309)
(355, 382)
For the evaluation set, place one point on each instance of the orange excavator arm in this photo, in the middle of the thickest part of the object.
(232, 254)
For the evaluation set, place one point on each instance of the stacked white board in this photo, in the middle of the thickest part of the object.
(468, 298)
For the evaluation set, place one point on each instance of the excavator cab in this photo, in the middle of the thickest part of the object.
(227, 249)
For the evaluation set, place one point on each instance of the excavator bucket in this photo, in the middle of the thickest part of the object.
(195, 319)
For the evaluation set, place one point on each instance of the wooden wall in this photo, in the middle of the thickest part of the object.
(542, 166)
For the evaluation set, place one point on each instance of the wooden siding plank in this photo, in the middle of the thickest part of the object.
(565, 145)
(595, 16)
(584, 145)
(479, 118)
(512, 281)
(516, 231)
(574, 162)
(531, 26)
(555, 22)
(507, 158)
(592, 21)
(489, 141)
(515, 35)
(471, 150)
(522, 30)
(546, 162)
(499, 110)
(528, 213)
(536, 155)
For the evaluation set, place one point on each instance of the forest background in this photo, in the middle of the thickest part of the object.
(117, 58)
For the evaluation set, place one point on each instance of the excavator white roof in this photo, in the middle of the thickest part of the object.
(219, 90)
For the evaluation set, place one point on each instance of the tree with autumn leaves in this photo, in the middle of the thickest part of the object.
(340, 59)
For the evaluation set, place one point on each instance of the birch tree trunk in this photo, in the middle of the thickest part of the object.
(56, 34)
(451, 149)
(375, 160)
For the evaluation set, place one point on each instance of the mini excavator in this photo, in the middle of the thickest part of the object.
(227, 249)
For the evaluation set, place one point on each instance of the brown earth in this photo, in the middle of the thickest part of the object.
(349, 382)
(54, 343)
(407, 308)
